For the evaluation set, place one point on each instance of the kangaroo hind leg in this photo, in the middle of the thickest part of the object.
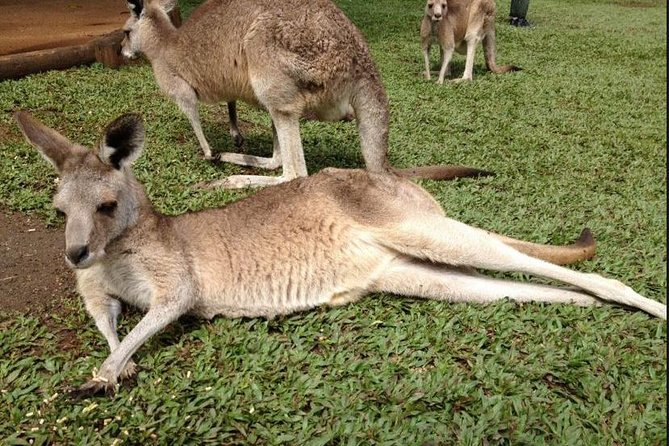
(440, 282)
(241, 181)
(449, 242)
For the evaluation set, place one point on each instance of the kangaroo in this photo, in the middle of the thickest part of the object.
(289, 57)
(459, 25)
(328, 239)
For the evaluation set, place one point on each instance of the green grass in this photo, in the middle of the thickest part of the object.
(577, 138)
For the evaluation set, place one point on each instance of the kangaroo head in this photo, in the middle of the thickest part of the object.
(97, 191)
(436, 9)
(141, 29)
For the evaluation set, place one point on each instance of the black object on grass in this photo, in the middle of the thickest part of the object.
(517, 16)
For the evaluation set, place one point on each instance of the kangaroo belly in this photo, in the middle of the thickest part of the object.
(224, 90)
(296, 279)
(339, 111)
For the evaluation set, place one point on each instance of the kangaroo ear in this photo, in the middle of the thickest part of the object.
(53, 146)
(135, 7)
(122, 141)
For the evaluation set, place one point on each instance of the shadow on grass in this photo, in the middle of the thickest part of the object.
(328, 153)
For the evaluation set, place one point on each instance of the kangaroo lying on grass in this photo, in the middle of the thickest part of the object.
(328, 239)
(289, 57)
(459, 25)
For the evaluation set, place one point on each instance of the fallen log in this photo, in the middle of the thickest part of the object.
(107, 47)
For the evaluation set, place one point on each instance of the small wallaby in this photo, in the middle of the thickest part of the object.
(328, 239)
(459, 25)
(290, 57)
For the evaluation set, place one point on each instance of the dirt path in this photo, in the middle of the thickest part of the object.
(33, 275)
(29, 25)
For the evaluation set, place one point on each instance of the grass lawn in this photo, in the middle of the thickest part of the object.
(577, 138)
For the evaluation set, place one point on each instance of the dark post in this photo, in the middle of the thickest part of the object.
(518, 14)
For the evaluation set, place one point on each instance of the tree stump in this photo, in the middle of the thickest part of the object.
(108, 50)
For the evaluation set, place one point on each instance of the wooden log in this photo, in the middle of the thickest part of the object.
(14, 66)
(108, 49)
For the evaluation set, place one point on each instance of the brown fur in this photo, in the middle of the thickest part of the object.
(289, 57)
(459, 25)
(328, 239)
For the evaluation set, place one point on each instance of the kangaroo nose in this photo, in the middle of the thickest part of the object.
(77, 254)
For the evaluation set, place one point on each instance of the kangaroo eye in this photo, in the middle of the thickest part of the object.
(107, 208)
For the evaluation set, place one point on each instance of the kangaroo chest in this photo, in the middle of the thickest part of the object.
(120, 280)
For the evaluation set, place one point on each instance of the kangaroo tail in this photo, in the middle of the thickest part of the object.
(583, 248)
(499, 69)
(444, 172)
(489, 55)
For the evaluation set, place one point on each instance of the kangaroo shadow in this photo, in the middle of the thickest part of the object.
(335, 148)
(457, 68)
(183, 328)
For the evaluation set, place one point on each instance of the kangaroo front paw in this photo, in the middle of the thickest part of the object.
(239, 139)
(94, 386)
(129, 371)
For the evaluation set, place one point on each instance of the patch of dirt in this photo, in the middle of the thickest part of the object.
(7, 133)
(29, 25)
(33, 275)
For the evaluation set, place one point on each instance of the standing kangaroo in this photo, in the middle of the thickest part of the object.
(328, 239)
(459, 25)
(289, 57)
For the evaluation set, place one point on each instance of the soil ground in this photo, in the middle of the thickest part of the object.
(29, 25)
(33, 275)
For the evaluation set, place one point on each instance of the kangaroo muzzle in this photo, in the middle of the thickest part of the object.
(77, 255)
(77, 242)
(437, 13)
